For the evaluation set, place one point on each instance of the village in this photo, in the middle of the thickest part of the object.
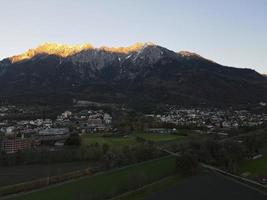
(20, 134)
(211, 119)
(16, 135)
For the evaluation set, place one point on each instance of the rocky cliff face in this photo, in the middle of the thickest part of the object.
(142, 73)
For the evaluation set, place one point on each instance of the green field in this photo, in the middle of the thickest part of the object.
(147, 190)
(107, 184)
(112, 141)
(10, 175)
(128, 139)
(159, 137)
(256, 167)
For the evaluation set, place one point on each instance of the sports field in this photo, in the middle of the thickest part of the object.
(159, 137)
(128, 139)
(112, 141)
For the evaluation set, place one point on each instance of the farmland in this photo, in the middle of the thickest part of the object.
(107, 184)
(17, 174)
(206, 185)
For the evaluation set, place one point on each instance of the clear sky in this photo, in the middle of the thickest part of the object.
(231, 32)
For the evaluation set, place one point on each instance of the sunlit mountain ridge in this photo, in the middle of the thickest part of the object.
(143, 74)
(65, 50)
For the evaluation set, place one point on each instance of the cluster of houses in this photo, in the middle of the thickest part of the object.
(212, 119)
(11, 109)
(85, 121)
(18, 135)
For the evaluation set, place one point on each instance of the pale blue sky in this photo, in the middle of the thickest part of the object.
(231, 32)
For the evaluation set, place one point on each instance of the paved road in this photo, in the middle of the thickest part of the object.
(207, 186)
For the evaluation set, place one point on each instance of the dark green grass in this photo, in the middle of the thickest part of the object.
(159, 137)
(128, 139)
(107, 184)
(112, 141)
(256, 167)
(18, 174)
(150, 189)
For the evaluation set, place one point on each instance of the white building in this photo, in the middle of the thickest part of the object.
(53, 134)
(107, 118)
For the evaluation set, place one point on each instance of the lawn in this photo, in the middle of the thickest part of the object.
(112, 141)
(107, 184)
(159, 137)
(128, 139)
(256, 167)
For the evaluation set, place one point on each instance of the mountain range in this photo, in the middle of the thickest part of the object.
(139, 75)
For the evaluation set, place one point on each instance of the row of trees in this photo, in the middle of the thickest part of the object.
(109, 157)
(227, 154)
